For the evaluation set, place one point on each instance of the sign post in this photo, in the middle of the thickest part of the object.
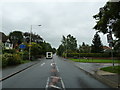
(110, 41)
(22, 46)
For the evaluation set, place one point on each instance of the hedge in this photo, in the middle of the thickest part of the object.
(88, 55)
(24, 55)
(12, 51)
(10, 59)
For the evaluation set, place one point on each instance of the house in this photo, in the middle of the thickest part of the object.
(5, 40)
(106, 49)
(8, 44)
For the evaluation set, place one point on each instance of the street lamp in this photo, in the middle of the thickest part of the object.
(30, 41)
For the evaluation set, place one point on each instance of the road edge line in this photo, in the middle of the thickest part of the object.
(14, 73)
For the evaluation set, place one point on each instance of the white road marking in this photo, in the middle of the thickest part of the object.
(57, 68)
(47, 83)
(42, 64)
(62, 84)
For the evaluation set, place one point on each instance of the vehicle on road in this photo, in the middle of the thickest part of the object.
(49, 55)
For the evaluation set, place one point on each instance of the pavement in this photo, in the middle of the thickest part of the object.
(7, 71)
(111, 79)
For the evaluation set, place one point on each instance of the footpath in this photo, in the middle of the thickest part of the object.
(111, 79)
(12, 70)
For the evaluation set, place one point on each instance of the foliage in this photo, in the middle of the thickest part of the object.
(88, 55)
(16, 37)
(84, 48)
(24, 54)
(115, 69)
(12, 51)
(60, 50)
(54, 50)
(97, 46)
(34, 37)
(69, 44)
(35, 50)
(46, 47)
(95, 60)
(10, 59)
(108, 18)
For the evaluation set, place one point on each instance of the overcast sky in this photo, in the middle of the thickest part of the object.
(57, 19)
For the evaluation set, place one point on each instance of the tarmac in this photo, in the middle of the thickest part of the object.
(111, 79)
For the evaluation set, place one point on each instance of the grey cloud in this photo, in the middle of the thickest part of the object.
(57, 19)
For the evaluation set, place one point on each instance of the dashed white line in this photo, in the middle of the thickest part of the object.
(62, 84)
(42, 64)
(47, 83)
(57, 68)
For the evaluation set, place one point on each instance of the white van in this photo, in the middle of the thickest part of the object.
(49, 55)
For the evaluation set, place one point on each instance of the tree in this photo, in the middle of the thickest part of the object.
(60, 50)
(108, 19)
(84, 48)
(34, 37)
(70, 43)
(54, 50)
(36, 49)
(97, 46)
(16, 37)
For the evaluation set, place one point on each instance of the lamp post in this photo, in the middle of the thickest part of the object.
(30, 41)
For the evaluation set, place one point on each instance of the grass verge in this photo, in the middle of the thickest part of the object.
(115, 69)
(25, 61)
(95, 60)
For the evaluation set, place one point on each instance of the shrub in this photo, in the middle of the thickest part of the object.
(88, 55)
(24, 55)
(14, 59)
(12, 51)
(10, 59)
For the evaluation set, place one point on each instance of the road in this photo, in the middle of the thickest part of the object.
(37, 76)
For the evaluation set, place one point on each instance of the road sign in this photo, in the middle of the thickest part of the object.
(29, 45)
(22, 46)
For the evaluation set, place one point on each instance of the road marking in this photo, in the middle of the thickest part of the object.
(42, 64)
(47, 83)
(57, 68)
(62, 84)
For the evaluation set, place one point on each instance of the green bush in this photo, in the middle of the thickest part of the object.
(12, 51)
(14, 59)
(24, 55)
(88, 55)
(10, 59)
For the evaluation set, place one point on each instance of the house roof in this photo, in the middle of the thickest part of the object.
(3, 37)
(106, 47)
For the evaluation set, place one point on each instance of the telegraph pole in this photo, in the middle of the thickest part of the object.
(110, 41)
(30, 44)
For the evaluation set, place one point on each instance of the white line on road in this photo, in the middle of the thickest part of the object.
(42, 64)
(62, 84)
(47, 83)
(57, 68)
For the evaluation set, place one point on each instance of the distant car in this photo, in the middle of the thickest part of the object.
(49, 55)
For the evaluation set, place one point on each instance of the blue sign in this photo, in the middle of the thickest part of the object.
(22, 46)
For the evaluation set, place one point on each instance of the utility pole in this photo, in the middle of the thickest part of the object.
(30, 44)
(30, 41)
(110, 41)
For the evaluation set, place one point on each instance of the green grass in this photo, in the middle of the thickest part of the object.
(95, 60)
(115, 69)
